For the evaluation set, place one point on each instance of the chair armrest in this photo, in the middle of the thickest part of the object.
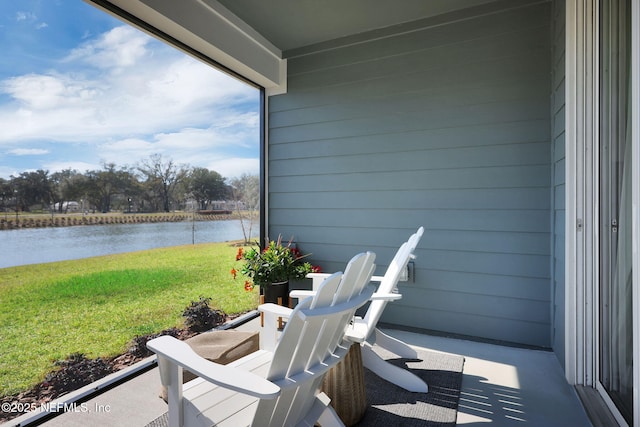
(270, 334)
(318, 275)
(376, 278)
(385, 297)
(358, 331)
(301, 294)
(179, 353)
(275, 309)
(317, 279)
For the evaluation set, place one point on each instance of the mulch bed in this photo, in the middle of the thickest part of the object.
(76, 371)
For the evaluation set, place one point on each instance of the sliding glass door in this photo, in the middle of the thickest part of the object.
(615, 354)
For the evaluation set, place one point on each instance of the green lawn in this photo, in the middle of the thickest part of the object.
(97, 305)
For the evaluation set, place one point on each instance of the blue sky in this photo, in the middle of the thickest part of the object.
(79, 88)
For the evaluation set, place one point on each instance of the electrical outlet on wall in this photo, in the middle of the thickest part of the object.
(408, 273)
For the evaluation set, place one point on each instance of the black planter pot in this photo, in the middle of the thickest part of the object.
(276, 290)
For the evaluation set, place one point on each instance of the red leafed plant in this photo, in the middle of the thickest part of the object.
(277, 262)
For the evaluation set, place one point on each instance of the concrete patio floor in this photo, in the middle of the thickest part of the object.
(502, 386)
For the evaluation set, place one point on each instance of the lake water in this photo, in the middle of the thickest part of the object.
(37, 245)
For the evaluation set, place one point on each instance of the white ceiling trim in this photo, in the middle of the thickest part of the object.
(212, 30)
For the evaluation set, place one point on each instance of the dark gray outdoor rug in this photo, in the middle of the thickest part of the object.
(390, 405)
(161, 421)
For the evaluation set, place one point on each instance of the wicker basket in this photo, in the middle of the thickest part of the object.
(344, 384)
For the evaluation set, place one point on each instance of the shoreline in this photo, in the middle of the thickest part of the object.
(9, 222)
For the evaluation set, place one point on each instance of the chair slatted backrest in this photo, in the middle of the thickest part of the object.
(390, 279)
(308, 343)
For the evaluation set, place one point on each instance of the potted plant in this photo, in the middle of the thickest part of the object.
(272, 267)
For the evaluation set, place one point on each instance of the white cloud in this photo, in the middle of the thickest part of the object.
(161, 93)
(118, 48)
(30, 17)
(25, 16)
(47, 92)
(188, 83)
(7, 171)
(189, 146)
(79, 166)
(125, 151)
(129, 96)
(235, 167)
(28, 151)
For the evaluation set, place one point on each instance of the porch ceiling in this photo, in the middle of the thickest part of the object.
(293, 24)
(253, 38)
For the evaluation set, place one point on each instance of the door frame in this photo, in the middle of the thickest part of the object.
(635, 190)
(581, 177)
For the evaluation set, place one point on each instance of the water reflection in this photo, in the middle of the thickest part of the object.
(37, 245)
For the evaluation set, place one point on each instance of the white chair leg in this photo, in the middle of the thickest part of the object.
(171, 377)
(393, 374)
(330, 418)
(394, 345)
(322, 413)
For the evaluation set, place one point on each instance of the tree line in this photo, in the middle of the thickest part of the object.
(155, 184)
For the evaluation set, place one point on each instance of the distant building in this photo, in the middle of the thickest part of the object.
(67, 207)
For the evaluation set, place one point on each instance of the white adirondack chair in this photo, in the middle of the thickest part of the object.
(278, 387)
(364, 330)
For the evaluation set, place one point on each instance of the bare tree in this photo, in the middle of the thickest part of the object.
(245, 191)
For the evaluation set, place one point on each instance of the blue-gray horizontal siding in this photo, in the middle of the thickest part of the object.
(446, 127)
(558, 193)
